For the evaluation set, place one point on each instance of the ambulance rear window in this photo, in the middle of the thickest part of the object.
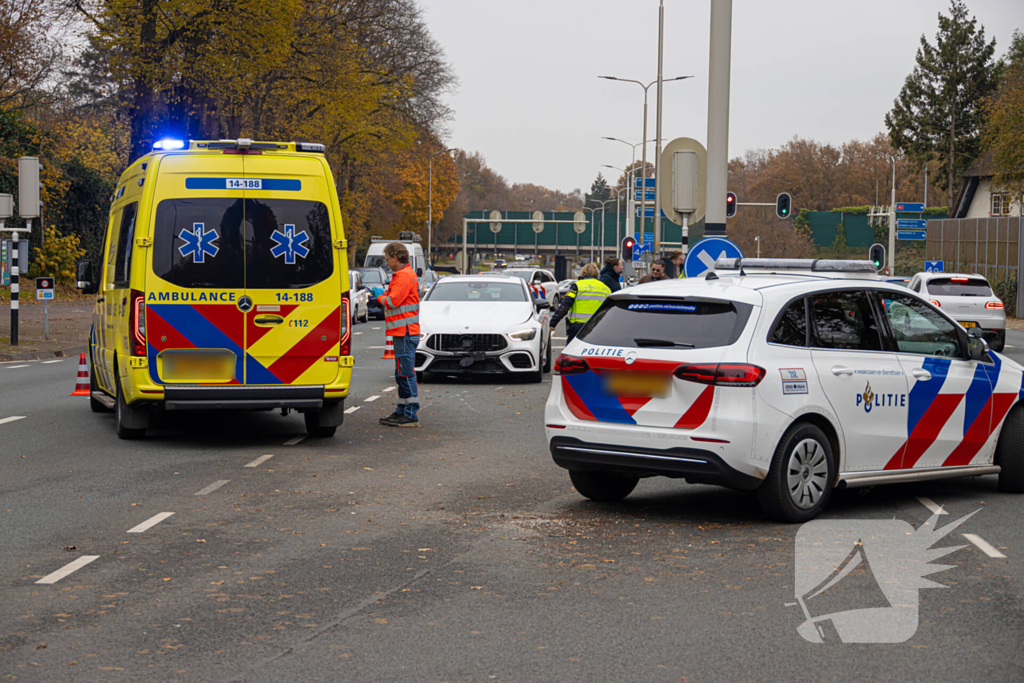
(666, 323)
(198, 243)
(288, 243)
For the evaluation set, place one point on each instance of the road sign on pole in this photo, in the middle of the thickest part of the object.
(648, 182)
(495, 227)
(908, 207)
(911, 224)
(683, 188)
(934, 266)
(702, 256)
(538, 222)
(917, 235)
(648, 196)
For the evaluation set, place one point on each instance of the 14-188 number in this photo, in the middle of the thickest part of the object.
(297, 296)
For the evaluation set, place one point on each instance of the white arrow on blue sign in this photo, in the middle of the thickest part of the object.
(934, 266)
(702, 256)
(648, 212)
(911, 224)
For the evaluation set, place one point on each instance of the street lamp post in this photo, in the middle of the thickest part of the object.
(758, 241)
(603, 202)
(591, 229)
(643, 186)
(631, 173)
(892, 222)
(430, 203)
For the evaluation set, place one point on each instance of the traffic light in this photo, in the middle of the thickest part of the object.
(730, 204)
(877, 256)
(783, 205)
(628, 243)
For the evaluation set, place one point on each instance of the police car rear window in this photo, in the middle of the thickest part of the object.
(669, 323)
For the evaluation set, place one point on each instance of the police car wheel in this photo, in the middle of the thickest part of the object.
(1010, 452)
(95, 405)
(799, 483)
(603, 487)
(124, 414)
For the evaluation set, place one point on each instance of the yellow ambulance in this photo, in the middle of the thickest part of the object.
(223, 285)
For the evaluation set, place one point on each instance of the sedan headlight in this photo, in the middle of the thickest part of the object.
(524, 335)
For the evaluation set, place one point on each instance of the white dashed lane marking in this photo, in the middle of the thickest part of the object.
(389, 389)
(296, 440)
(13, 418)
(48, 362)
(983, 545)
(15, 367)
(932, 505)
(67, 569)
(370, 399)
(260, 460)
(212, 487)
(349, 411)
(149, 523)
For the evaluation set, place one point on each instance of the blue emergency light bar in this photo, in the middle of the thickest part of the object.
(168, 145)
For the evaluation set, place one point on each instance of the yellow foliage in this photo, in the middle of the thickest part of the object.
(57, 257)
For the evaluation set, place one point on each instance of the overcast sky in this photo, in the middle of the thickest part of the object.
(530, 101)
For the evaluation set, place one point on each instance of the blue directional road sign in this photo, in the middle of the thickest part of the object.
(934, 266)
(702, 256)
(648, 182)
(915, 207)
(911, 224)
(649, 198)
(648, 212)
(912, 235)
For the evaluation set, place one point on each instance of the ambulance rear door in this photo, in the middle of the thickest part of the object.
(294, 277)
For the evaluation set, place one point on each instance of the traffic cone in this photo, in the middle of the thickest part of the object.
(82, 385)
(389, 348)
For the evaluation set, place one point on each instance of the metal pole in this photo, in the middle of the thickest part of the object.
(926, 185)
(46, 320)
(643, 167)
(15, 271)
(465, 248)
(718, 117)
(892, 223)
(657, 134)
(430, 206)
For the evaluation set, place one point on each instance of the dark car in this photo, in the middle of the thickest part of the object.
(376, 280)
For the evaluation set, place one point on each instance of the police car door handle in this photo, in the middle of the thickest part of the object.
(839, 370)
(921, 373)
(269, 320)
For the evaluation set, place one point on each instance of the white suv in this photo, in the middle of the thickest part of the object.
(788, 377)
(968, 299)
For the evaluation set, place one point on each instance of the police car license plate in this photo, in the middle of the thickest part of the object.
(197, 366)
(637, 384)
(968, 323)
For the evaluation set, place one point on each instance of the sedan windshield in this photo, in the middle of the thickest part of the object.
(372, 277)
(477, 291)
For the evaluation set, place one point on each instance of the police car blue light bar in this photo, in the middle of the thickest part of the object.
(817, 265)
(168, 145)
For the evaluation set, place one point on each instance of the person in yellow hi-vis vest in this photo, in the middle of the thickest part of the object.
(585, 296)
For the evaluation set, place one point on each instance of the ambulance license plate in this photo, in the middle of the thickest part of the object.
(197, 366)
(638, 384)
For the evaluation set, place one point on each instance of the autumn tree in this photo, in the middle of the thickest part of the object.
(938, 113)
(1004, 131)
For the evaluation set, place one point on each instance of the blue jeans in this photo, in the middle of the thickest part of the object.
(405, 375)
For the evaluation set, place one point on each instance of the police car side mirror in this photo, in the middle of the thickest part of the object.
(542, 304)
(85, 281)
(977, 347)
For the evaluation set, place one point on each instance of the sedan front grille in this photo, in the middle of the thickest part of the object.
(454, 343)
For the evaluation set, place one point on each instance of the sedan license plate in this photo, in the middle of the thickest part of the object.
(968, 323)
(638, 384)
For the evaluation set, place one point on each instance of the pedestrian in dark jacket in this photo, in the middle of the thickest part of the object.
(610, 273)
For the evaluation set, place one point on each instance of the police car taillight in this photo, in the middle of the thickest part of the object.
(137, 323)
(721, 374)
(570, 365)
(346, 325)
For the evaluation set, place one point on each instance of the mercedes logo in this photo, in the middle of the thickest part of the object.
(630, 357)
(245, 304)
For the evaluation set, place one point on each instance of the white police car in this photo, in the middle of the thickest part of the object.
(789, 377)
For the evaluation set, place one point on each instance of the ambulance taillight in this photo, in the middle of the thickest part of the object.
(346, 326)
(137, 323)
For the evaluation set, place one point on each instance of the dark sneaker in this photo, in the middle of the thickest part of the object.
(390, 419)
(404, 421)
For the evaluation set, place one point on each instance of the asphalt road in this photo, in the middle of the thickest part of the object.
(457, 551)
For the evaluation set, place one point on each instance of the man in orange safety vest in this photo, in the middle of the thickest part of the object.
(401, 304)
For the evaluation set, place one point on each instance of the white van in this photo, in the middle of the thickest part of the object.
(375, 254)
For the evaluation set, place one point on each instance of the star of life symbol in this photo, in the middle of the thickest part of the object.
(198, 242)
(289, 244)
(857, 581)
